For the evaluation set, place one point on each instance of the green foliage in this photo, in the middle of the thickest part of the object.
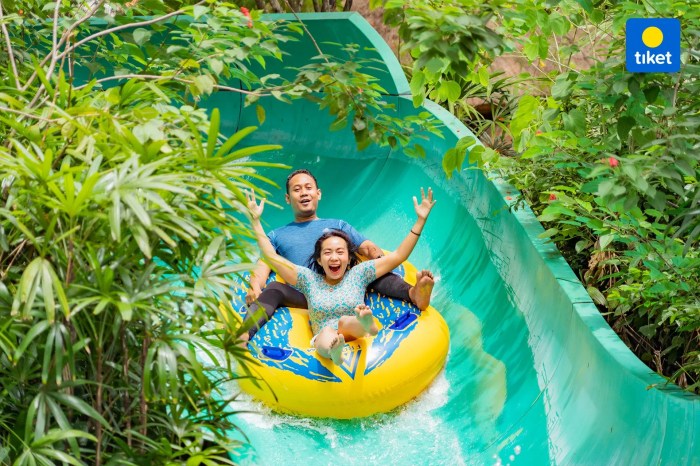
(118, 242)
(609, 159)
(619, 151)
(100, 309)
(447, 40)
(356, 99)
(104, 221)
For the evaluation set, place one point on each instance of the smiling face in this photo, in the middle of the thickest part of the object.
(303, 196)
(334, 258)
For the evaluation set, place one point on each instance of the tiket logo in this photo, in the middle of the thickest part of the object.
(653, 45)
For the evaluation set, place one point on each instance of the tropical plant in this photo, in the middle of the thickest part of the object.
(628, 172)
(608, 158)
(108, 205)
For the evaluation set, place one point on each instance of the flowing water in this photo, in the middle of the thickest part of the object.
(485, 407)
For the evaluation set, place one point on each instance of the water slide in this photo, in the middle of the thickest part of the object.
(535, 376)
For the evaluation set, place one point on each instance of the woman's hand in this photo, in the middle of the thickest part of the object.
(426, 203)
(254, 208)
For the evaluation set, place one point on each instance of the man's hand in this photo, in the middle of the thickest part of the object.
(258, 279)
(254, 208)
(253, 293)
(370, 250)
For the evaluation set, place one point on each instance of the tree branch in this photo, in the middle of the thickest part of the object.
(143, 405)
(276, 6)
(125, 373)
(170, 78)
(55, 28)
(125, 26)
(25, 114)
(10, 52)
(98, 406)
(64, 36)
(313, 41)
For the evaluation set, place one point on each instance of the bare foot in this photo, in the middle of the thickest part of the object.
(364, 315)
(420, 293)
(336, 349)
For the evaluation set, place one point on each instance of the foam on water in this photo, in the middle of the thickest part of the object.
(404, 436)
(433, 429)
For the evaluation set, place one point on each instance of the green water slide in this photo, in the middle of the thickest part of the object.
(534, 376)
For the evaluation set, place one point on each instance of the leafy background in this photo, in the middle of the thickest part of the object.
(119, 197)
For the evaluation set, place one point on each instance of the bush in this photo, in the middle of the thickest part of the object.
(609, 159)
(116, 249)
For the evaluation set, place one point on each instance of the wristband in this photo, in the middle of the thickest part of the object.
(417, 234)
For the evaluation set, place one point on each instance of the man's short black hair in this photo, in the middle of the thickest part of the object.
(300, 172)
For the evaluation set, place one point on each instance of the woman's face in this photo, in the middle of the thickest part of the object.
(334, 258)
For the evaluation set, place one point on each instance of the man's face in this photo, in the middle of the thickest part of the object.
(303, 196)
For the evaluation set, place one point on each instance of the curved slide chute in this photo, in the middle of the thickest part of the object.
(534, 375)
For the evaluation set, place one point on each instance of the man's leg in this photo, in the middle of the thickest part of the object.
(274, 295)
(394, 286)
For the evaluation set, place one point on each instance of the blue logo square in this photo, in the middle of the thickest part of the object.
(653, 45)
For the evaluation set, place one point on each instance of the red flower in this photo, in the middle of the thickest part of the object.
(552, 197)
(246, 13)
(613, 162)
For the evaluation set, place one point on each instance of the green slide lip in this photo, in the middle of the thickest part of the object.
(574, 393)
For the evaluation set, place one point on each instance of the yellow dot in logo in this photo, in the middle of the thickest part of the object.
(652, 37)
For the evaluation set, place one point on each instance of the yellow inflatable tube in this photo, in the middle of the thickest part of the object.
(377, 374)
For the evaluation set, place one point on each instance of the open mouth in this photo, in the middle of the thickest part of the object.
(305, 202)
(334, 268)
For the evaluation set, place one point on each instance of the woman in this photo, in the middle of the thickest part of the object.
(335, 289)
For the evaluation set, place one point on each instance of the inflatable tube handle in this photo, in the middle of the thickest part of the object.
(278, 354)
(403, 321)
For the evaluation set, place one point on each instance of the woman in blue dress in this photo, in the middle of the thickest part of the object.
(335, 284)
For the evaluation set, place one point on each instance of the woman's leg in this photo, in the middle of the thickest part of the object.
(329, 344)
(353, 327)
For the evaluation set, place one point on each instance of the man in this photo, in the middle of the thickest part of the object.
(295, 241)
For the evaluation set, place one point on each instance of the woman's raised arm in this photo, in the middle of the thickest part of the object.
(286, 269)
(392, 260)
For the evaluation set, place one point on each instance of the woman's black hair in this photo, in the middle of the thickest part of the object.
(352, 251)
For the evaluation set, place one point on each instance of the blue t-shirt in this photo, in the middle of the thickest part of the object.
(295, 241)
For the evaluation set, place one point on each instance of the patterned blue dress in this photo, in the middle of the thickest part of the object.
(328, 303)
